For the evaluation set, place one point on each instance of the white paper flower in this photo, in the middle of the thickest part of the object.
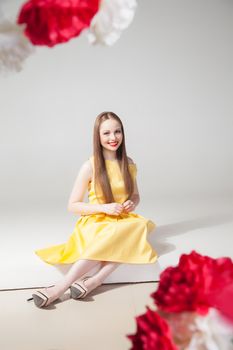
(14, 46)
(211, 332)
(112, 18)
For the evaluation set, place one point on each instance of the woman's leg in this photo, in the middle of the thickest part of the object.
(99, 277)
(76, 271)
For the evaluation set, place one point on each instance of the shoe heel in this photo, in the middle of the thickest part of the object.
(29, 299)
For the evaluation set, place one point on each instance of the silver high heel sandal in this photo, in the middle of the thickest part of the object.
(78, 290)
(41, 298)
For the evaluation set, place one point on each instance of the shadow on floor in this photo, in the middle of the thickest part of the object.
(158, 238)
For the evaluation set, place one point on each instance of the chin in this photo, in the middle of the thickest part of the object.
(112, 148)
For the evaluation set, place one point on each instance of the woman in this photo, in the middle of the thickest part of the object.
(108, 232)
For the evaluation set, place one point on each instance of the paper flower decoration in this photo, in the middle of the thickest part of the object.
(183, 331)
(223, 301)
(189, 286)
(186, 317)
(112, 18)
(50, 22)
(153, 333)
(191, 331)
(14, 46)
(211, 332)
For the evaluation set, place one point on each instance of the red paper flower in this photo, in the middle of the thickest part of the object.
(223, 301)
(50, 22)
(153, 333)
(187, 287)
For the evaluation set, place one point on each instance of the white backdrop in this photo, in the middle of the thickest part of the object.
(169, 78)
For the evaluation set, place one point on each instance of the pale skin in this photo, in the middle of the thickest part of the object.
(111, 138)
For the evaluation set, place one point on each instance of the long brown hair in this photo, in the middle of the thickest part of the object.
(101, 179)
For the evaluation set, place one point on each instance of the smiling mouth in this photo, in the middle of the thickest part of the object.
(113, 143)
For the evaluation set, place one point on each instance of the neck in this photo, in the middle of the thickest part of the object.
(109, 154)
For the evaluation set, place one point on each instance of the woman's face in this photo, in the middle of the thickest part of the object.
(110, 134)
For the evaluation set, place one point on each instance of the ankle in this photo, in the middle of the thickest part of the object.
(53, 293)
(97, 281)
(92, 283)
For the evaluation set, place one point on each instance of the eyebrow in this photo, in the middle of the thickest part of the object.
(119, 128)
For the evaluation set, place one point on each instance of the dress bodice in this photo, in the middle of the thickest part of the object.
(116, 181)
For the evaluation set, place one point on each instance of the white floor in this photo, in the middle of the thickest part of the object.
(183, 224)
(101, 321)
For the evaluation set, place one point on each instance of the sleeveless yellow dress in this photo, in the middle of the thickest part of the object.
(104, 237)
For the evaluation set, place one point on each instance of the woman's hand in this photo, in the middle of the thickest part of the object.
(113, 208)
(128, 206)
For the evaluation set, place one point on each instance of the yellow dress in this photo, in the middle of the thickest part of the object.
(104, 237)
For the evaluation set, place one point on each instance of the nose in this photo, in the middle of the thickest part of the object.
(112, 137)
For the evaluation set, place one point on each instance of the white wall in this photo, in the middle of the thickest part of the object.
(169, 78)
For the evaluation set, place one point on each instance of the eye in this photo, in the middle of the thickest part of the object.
(118, 131)
(106, 133)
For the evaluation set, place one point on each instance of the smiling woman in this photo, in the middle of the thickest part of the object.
(109, 143)
(108, 231)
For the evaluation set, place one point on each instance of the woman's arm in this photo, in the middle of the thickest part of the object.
(75, 203)
(135, 196)
(134, 199)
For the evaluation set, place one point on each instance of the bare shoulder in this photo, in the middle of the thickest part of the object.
(130, 160)
(86, 168)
